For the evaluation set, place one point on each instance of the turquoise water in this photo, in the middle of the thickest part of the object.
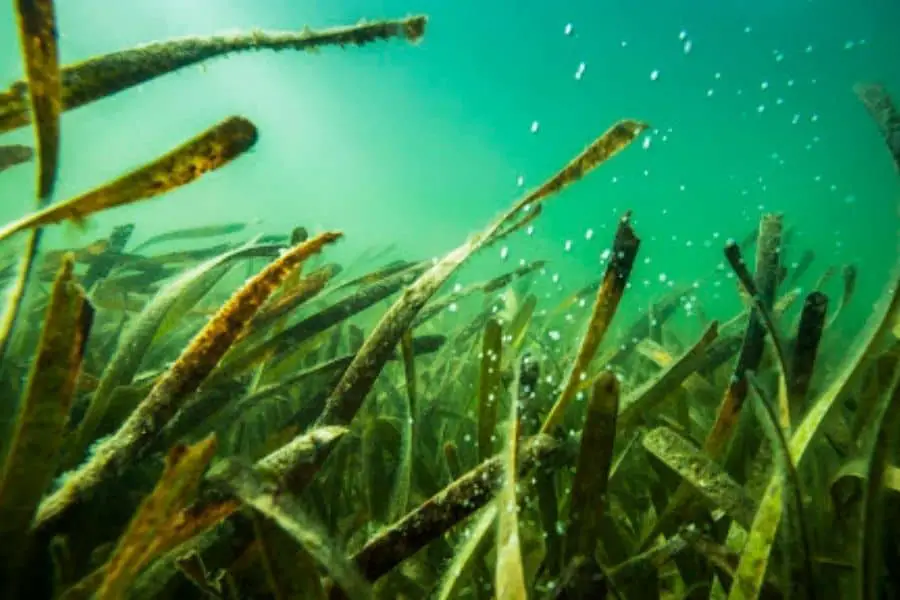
(752, 111)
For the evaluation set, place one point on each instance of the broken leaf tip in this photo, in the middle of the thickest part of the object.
(240, 130)
(414, 28)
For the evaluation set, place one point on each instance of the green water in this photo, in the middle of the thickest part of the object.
(422, 145)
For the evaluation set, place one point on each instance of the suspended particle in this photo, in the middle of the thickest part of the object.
(687, 46)
(579, 72)
(654, 75)
(568, 29)
(504, 252)
(535, 126)
(588, 234)
(646, 142)
(568, 245)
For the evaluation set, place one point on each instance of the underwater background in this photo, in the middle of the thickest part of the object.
(307, 389)
(751, 105)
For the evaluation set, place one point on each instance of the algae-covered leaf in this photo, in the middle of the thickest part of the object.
(287, 513)
(587, 503)
(14, 154)
(165, 518)
(142, 428)
(518, 327)
(489, 388)
(881, 108)
(886, 422)
(37, 38)
(848, 277)
(285, 341)
(380, 465)
(768, 251)
(104, 262)
(437, 515)
(733, 255)
(191, 233)
(207, 152)
(102, 76)
(399, 496)
(409, 370)
(701, 472)
(304, 451)
(755, 559)
(787, 470)
(350, 392)
(467, 553)
(32, 455)
(650, 394)
(612, 288)
(169, 304)
(806, 349)
(509, 576)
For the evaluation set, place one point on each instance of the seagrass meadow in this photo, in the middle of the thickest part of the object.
(259, 418)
